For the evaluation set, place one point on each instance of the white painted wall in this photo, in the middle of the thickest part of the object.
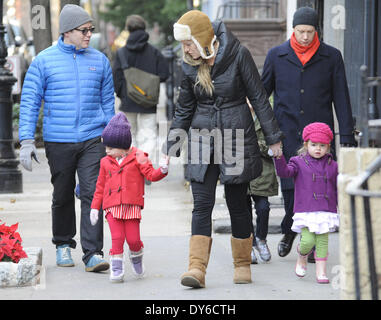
(291, 8)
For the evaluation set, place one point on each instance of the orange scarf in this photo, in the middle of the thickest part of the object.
(305, 53)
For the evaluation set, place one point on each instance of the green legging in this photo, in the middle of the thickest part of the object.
(310, 239)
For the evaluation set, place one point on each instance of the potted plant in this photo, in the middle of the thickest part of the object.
(10, 244)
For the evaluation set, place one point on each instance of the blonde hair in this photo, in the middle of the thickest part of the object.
(303, 149)
(203, 78)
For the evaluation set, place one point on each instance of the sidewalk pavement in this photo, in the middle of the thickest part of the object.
(165, 231)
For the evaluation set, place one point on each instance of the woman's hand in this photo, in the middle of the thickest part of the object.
(276, 150)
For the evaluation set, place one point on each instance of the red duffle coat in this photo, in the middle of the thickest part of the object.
(124, 183)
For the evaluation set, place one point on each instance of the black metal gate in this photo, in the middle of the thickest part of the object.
(369, 134)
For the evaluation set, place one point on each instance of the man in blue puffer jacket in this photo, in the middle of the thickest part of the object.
(75, 82)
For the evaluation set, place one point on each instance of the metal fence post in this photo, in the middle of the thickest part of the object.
(10, 175)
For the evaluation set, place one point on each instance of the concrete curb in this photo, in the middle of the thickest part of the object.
(25, 273)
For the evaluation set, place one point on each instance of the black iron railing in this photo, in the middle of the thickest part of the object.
(369, 132)
(359, 187)
(248, 10)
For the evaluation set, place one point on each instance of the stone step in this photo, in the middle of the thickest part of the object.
(25, 273)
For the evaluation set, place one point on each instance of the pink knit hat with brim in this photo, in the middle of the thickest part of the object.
(318, 132)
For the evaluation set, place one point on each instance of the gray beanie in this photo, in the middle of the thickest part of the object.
(72, 16)
(305, 15)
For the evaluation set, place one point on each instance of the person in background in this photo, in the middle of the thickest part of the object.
(259, 191)
(75, 82)
(142, 55)
(306, 77)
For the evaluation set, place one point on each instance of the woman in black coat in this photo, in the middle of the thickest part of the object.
(219, 73)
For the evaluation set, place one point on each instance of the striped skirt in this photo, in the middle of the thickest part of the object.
(125, 211)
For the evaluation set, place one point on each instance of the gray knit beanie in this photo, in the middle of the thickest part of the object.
(72, 16)
(305, 15)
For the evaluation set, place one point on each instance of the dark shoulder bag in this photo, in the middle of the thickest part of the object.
(142, 87)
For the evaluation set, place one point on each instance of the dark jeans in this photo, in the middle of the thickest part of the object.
(288, 197)
(65, 160)
(204, 195)
(262, 210)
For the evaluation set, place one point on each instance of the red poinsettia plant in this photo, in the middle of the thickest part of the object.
(10, 244)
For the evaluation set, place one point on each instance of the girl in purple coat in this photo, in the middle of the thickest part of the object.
(315, 207)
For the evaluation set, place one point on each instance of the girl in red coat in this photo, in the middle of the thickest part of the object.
(120, 191)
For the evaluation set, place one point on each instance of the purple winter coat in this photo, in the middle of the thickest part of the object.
(315, 181)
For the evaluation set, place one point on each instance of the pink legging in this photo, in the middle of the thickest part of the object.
(124, 229)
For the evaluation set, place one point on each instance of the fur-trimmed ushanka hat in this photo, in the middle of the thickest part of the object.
(196, 26)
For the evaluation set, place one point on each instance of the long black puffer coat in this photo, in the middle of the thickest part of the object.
(221, 127)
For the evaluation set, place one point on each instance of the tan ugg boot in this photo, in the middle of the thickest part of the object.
(199, 252)
(241, 251)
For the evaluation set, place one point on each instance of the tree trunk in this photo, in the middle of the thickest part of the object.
(41, 24)
(64, 2)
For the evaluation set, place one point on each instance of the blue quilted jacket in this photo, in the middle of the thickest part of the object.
(78, 93)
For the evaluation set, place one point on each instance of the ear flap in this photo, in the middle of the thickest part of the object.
(182, 32)
(206, 52)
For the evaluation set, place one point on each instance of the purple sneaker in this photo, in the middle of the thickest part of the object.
(117, 269)
(136, 259)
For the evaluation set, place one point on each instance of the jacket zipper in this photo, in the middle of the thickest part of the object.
(78, 95)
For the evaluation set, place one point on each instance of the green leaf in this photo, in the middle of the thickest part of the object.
(163, 12)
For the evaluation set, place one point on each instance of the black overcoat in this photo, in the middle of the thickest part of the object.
(217, 127)
(305, 94)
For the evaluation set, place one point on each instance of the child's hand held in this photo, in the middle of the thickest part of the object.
(275, 150)
(164, 163)
(94, 216)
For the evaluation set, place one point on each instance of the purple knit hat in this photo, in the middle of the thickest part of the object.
(117, 133)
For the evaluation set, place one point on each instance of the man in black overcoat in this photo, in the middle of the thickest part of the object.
(307, 77)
